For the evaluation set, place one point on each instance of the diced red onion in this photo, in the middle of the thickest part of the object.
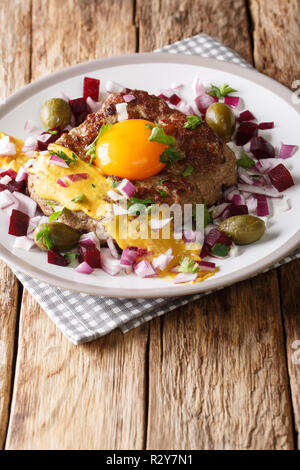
(61, 182)
(113, 250)
(122, 111)
(114, 196)
(220, 209)
(198, 87)
(6, 199)
(128, 269)
(163, 260)
(91, 88)
(237, 200)
(18, 223)
(206, 266)
(89, 239)
(7, 148)
(251, 204)
(29, 163)
(109, 264)
(234, 250)
(185, 277)
(27, 205)
(30, 144)
(126, 188)
(281, 178)
(21, 175)
(246, 116)
(5, 180)
(283, 205)
(44, 137)
(230, 192)
(157, 224)
(113, 87)
(94, 105)
(128, 98)
(262, 209)
(63, 96)
(261, 148)
(23, 243)
(129, 256)
(119, 210)
(58, 161)
(144, 269)
(34, 222)
(266, 125)
(204, 101)
(266, 164)
(270, 192)
(232, 101)
(244, 176)
(77, 176)
(286, 151)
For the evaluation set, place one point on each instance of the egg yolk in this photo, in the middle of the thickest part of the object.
(125, 151)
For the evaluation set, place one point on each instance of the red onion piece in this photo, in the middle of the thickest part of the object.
(84, 268)
(286, 151)
(204, 101)
(129, 256)
(63, 96)
(266, 164)
(5, 180)
(58, 161)
(61, 182)
(198, 87)
(89, 239)
(93, 105)
(251, 204)
(56, 258)
(144, 269)
(21, 175)
(163, 260)
(237, 200)
(232, 101)
(206, 266)
(113, 87)
(91, 88)
(109, 264)
(91, 255)
(261, 148)
(246, 116)
(244, 176)
(77, 176)
(18, 223)
(122, 111)
(24, 243)
(26, 204)
(112, 248)
(266, 125)
(114, 196)
(281, 178)
(7, 148)
(29, 163)
(220, 209)
(262, 209)
(6, 199)
(269, 192)
(126, 188)
(127, 98)
(185, 277)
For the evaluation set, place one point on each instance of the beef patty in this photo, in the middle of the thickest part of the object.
(213, 161)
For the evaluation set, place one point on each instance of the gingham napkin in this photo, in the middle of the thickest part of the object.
(83, 317)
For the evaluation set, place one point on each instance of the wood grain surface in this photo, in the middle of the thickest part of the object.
(218, 374)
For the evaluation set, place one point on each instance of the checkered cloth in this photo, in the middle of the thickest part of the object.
(83, 317)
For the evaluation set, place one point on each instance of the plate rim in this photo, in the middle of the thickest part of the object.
(252, 74)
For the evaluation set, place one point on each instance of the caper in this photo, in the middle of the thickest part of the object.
(55, 113)
(62, 237)
(243, 229)
(221, 119)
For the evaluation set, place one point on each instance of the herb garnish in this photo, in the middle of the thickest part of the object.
(44, 233)
(57, 211)
(159, 135)
(220, 92)
(188, 171)
(220, 250)
(170, 155)
(245, 161)
(61, 154)
(71, 256)
(135, 200)
(188, 265)
(162, 193)
(91, 149)
(163, 180)
(52, 131)
(192, 122)
(115, 184)
(79, 198)
(93, 185)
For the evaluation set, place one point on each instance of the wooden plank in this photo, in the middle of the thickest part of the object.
(91, 396)
(276, 38)
(15, 62)
(290, 296)
(276, 52)
(217, 376)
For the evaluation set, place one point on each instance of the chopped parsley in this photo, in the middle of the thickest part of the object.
(115, 184)
(162, 193)
(57, 211)
(220, 92)
(44, 234)
(192, 122)
(163, 180)
(91, 149)
(159, 135)
(188, 265)
(61, 154)
(149, 126)
(188, 171)
(52, 131)
(93, 186)
(79, 198)
(170, 155)
(245, 161)
(135, 200)
(71, 256)
(220, 250)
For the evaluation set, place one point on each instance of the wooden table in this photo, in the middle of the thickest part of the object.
(217, 374)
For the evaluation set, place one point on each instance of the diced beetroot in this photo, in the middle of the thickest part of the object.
(52, 138)
(79, 106)
(262, 208)
(261, 148)
(3, 187)
(266, 125)
(236, 210)
(9, 172)
(80, 118)
(215, 236)
(246, 131)
(91, 88)
(281, 178)
(57, 258)
(18, 186)
(246, 116)
(91, 255)
(174, 99)
(18, 223)
(204, 252)
(164, 97)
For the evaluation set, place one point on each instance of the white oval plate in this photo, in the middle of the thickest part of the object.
(267, 99)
